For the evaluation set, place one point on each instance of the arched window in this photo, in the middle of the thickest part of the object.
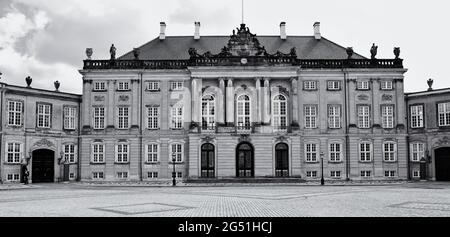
(243, 112)
(281, 160)
(279, 108)
(208, 112)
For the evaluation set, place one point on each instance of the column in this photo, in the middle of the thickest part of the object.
(110, 112)
(266, 99)
(294, 100)
(86, 103)
(258, 102)
(134, 103)
(195, 101)
(220, 102)
(230, 102)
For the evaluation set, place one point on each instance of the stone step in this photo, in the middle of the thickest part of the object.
(246, 180)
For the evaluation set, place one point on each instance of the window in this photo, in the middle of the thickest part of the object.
(98, 175)
(333, 85)
(43, 115)
(243, 112)
(122, 175)
(70, 114)
(334, 116)
(363, 116)
(365, 151)
(176, 85)
(309, 85)
(152, 153)
(389, 173)
(389, 151)
(99, 86)
(152, 175)
(14, 153)
(13, 177)
(335, 174)
(310, 116)
(15, 113)
(444, 114)
(153, 86)
(363, 85)
(416, 174)
(123, 86)
(416, 116)
(386, 85)
(335, 152)
(417, 151)
(179, 175)
(72, 176)
(122, 117)
(177, 117)
(122, 153)
(366, 173)
(311, 174)
(311, 152)
(98, 153)
(208, 112)
(387, 115)
(176, 152)
(69, 153)
(153, 117)
(279, 108)
(99, 118)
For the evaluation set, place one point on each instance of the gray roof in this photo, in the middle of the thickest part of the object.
(176, 47)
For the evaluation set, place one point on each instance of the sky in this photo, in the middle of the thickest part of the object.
(46, 39)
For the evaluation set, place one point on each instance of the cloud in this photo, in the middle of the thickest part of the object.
(190, 11)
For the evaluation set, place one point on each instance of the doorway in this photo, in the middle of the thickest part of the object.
(43, 166)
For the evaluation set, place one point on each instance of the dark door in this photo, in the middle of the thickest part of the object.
(244, 160)
(43, 166)
(442, 164)
(281, 160)
(207, 161)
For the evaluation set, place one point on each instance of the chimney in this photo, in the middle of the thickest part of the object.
(162, 34)
(317, 31)
(197, 30)
(283, 30)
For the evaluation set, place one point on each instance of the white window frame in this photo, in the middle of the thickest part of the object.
(416, 113)
(280, 112)
(335, 152)
(176, 85)
(309, 85)
(152, 175)
(123, 117)
(70, 114)
(363, 116)
(179, 174)
(367, 153)
(72, 176)
(176, 114)
(387, 85)
(98, 114)
(123, 86)
(335, 174)
(153, 86)
(389, 155)
(417, 151)
(310, 112)
(122, 153)
(15, 152)
(122, 175)
(15, 110)
(387, 116)
(208, 107)
(98, 175)
(98, 153)
(333, 85)
(334, 116)
(311, 152)
(13, 177)
(69, 151)
(177, 149)
(390, 173)
(243, 112)
(44, 115)
(363, 85)
(416, 173)
(444, 114)
(99, 86)
(366, 173)
(311, 174)
(153, 117)
(152, 152)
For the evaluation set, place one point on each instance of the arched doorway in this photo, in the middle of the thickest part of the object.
(281, 160)
(43, 166)
(207, 161)
(244, 160)
(442, 163)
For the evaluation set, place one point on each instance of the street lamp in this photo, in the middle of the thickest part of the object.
(322, 181)
(174, 181)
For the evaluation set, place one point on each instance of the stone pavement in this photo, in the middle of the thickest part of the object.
(75, 199)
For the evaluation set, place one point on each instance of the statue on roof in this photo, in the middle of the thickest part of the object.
(373, 51)
(112, 51)
(293, 52)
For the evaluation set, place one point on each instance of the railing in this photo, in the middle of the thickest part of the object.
(250, 61)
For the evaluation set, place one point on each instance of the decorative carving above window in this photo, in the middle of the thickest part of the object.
(208, 139)
(363, 97)
(99, 98)
(124, 97)
(445, 141)
(44, 143)
(244, 138)
(386, 97)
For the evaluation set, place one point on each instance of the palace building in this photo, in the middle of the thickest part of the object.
(238, 106)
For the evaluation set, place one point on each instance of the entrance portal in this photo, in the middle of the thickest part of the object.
(244, 160)
(281, 160)
(442, 164)
(43, 166)
(207, 161)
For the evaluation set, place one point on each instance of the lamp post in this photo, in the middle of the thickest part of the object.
(174, 181)
(322, 181)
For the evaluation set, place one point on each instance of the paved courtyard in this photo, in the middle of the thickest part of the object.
(407, 199)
